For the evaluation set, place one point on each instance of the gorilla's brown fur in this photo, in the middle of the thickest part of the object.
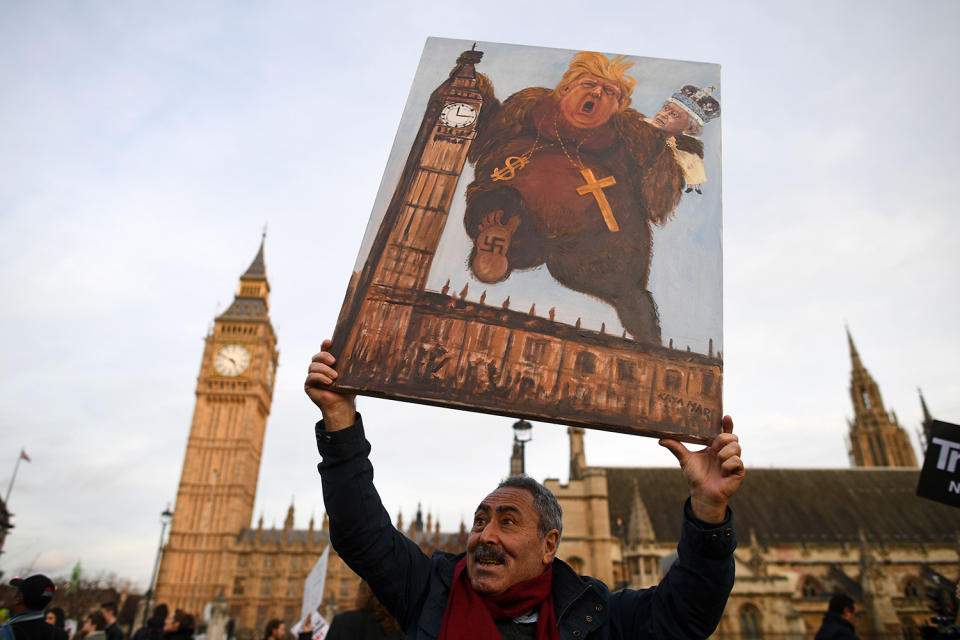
(556, 226)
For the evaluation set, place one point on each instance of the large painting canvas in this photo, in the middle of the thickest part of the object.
(546, 243)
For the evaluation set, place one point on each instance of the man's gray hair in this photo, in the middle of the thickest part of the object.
(551, 515)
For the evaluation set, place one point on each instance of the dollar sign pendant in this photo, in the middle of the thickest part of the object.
(511, 166)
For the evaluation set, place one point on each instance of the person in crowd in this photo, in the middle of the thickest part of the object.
(179, 625)
(56, 617)
(113, 630)
(509, 581)
(93, 627)
(369, 621)
(153, 630)
(27, 619)
(276, 629)
(839, 619)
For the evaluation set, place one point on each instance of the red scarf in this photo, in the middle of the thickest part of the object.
(471, 616)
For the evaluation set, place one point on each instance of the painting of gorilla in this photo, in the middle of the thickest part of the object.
(540, 248)
(573, 178)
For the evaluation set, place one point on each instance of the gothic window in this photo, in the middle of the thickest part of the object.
(238, 586)
(866, 398)
(912, 588)
(750, 623)
(268, 562)
(265, 585)
(626, 369)
(706, 383)
(293, 586)
(575, 563)
(673, 380)
(533, 349)
(483, 340)
(294, 563)
(345, 585)
(290, 613)
(242, 560)
(811, 588)
(586, 362)
(262, 613)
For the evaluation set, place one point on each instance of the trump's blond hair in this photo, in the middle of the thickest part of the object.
(596, 64)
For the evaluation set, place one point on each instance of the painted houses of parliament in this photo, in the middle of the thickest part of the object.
(804, 533)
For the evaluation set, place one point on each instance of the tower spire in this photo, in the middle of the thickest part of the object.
(923, 405)
(876, 437)
(854, 356)
(927, 422)
(251, 302)
(257, 269)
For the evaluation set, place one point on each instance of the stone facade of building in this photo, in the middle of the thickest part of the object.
(804, 534)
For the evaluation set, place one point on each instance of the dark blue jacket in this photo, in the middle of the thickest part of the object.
(836, 627)
(688, 602)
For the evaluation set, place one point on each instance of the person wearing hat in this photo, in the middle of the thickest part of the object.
(682, 118)
(33, 595)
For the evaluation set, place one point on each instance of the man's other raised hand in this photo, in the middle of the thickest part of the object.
(713, 474)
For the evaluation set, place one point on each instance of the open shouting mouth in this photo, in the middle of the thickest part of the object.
(489, 555)
(588, 107)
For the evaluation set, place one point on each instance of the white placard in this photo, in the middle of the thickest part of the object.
(313, 587)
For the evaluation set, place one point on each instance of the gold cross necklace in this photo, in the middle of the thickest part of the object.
(592, 186)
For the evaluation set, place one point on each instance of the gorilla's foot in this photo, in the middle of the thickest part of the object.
(638, 314)
(489, 262)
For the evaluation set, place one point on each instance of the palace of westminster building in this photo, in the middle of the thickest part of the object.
(804, 533)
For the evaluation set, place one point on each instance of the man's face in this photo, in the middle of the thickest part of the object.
(588, 101)
(672, 120)
(850, 614)
(503, 547)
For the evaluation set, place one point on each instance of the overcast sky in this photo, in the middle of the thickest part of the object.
(143, 146)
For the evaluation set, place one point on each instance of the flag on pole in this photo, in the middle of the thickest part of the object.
(313, 587)
(23, 455)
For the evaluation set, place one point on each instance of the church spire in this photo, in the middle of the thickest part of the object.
(876, 437)
(854, 356)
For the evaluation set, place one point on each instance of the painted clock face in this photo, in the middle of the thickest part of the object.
(458, 114)
(231, 360)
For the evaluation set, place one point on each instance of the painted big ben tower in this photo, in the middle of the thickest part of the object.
(410, 231)
(876, 438)
(222, 462)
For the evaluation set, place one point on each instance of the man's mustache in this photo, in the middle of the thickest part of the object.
(489, 553)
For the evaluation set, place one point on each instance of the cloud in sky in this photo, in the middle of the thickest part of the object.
(145, 147)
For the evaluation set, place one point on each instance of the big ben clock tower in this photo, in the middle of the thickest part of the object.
(410, 231)
(222, 462)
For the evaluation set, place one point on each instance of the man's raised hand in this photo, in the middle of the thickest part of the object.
(713, 474)
(339, 409)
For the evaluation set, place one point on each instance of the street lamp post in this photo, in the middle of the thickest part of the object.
(522, 434)
(165, 517)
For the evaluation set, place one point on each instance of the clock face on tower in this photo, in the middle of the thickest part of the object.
(231, 360)
(458, 114)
